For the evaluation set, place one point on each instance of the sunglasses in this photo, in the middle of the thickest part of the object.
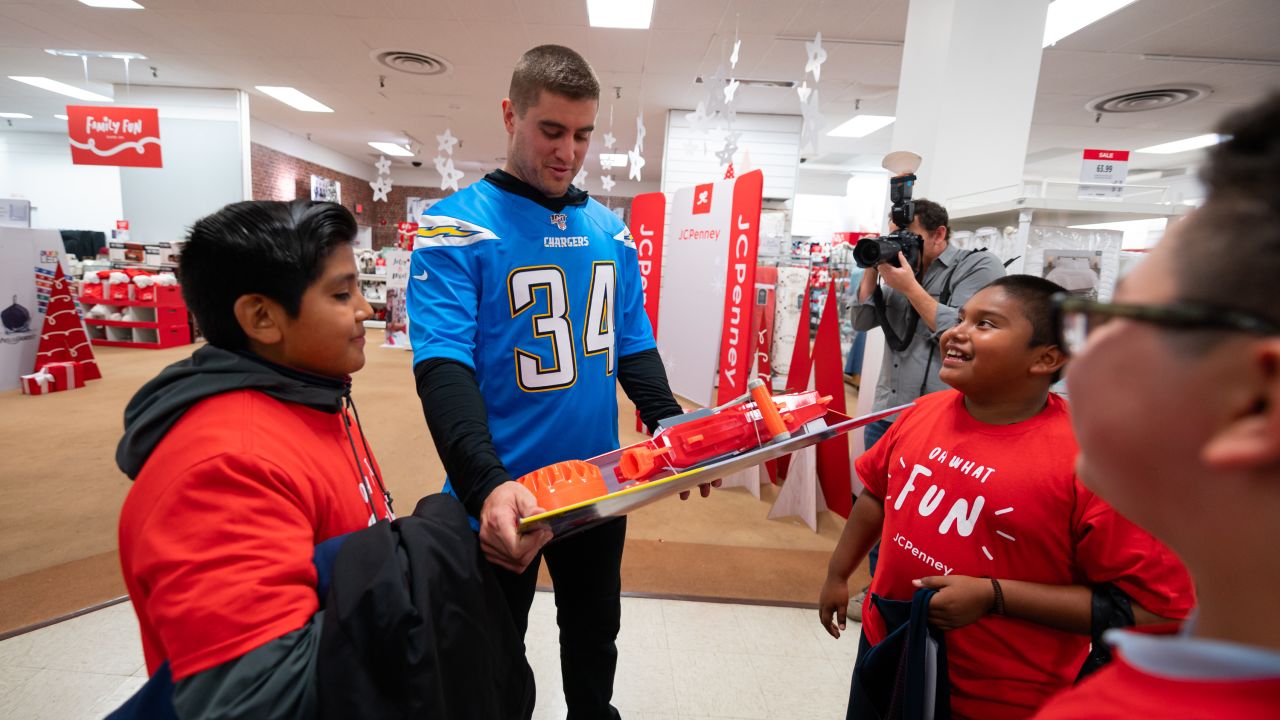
(1076, 318)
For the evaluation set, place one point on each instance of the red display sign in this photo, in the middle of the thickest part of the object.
(648, 216)
(702, 198)
(736, 339)
(107, 135)
(1113, 155)
(122, 224)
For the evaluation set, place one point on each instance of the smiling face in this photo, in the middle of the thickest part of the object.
(547, 145)
(327, 335)
(988, 355)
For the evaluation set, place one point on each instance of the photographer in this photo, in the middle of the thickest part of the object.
(917, 303)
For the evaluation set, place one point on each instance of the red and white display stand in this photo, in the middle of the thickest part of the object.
(63, 339)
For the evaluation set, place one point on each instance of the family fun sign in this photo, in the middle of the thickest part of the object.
(103, 135)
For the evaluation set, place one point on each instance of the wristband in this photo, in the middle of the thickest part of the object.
(998, 607)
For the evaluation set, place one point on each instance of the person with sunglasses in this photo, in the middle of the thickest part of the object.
(1175, 390)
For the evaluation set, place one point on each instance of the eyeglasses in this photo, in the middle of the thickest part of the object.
(1077, 318)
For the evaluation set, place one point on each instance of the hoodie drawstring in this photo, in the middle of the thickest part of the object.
(346, 423)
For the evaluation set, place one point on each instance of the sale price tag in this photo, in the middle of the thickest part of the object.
(1102, 174)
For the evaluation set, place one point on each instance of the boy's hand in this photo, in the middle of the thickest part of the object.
(833, 605)
(704, 489)
(500, 537)
(961, 600)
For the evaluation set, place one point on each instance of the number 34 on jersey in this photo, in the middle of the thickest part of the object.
(541, 293)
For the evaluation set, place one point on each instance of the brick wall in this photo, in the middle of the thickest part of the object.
(279, 176)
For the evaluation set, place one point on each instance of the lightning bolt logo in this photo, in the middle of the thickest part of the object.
(445, 231)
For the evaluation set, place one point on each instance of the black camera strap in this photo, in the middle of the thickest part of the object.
(895, 342)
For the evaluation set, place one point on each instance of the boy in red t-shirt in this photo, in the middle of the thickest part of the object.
(247, 456)
(972, 492)
(1178, 413)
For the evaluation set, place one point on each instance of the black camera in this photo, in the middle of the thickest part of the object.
(872, 251)
(416, 163)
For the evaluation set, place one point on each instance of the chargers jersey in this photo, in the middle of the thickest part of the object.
(541, 305)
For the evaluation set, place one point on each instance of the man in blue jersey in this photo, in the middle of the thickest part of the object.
(525, 306)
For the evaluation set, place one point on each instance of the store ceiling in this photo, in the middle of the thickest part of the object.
(325, 48)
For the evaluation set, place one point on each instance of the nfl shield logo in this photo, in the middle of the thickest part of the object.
(560, 220)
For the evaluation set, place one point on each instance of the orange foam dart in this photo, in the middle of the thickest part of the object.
(773, 423)
(565, 483)
(638, 462)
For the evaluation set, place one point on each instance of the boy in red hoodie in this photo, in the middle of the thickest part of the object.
(972, 492)
(1177, 400)
(246, 457)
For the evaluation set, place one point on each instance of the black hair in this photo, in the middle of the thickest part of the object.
(276, 249)
(932, 216)
(1034, 296)
(555, 68)
(1229, 254)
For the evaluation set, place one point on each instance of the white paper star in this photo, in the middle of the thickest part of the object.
(609, 140)
(640, 133)
(606, 181)
(725, 154)
(733, 57)
(817, 56)
(637, 162)
(439, 161)
(730, 90)
(698, 118)
(381, 187)
(450, 177)
(812, 125)
(445, 142)
(803, 91)
(383, 165)
(580, 178)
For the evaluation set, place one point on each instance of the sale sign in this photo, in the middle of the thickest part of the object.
(1102, 174)
(108, 135)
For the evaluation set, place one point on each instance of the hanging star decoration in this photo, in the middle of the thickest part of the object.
(637, 163)
(382, 185)
(733, 57)
(580, 178)
(446, 142)
(606, 181)
(730, 90)
(817, 56)
(609, 140)
(450, 177)
(812, 125)
(803, 91)
(725, 154)
(640, 132)
(699, 119)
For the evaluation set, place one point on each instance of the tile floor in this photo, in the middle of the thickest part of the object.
(676, 660)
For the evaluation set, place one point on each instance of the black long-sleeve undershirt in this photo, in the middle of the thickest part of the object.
(459, 424)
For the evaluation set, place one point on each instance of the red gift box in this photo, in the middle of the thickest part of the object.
(38, 383)
(66, 375)
(146, 294)
(91, 290)
(119, 291)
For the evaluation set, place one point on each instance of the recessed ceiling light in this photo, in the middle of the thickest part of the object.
(117, 4)
(112, 54)
(15, 116)
(391, 149)
(613, 160)
(61, 88)
(630, 14)
(60, 117)
(1067, 16)
(1177, 146)
(294, 98)
(861, 125)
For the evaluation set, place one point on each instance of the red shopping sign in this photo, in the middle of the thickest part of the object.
(106, 135)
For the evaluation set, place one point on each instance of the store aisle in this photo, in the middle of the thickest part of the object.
(677, 660)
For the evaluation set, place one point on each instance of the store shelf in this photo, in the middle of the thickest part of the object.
(366, 276)
(1062, 212)
(161, 322)
(119, 323)
(375, 324)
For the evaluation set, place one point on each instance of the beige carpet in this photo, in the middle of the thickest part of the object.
(63, 495)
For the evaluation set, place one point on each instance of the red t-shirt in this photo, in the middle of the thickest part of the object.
(1121, 690)
(218, 530)
(963, 497)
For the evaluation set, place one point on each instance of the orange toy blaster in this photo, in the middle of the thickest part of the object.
(683, 442)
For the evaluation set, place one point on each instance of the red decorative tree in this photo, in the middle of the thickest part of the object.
(62, 339)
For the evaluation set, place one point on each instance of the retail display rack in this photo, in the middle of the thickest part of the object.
(160, 321)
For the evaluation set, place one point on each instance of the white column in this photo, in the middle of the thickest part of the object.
(967, 91)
